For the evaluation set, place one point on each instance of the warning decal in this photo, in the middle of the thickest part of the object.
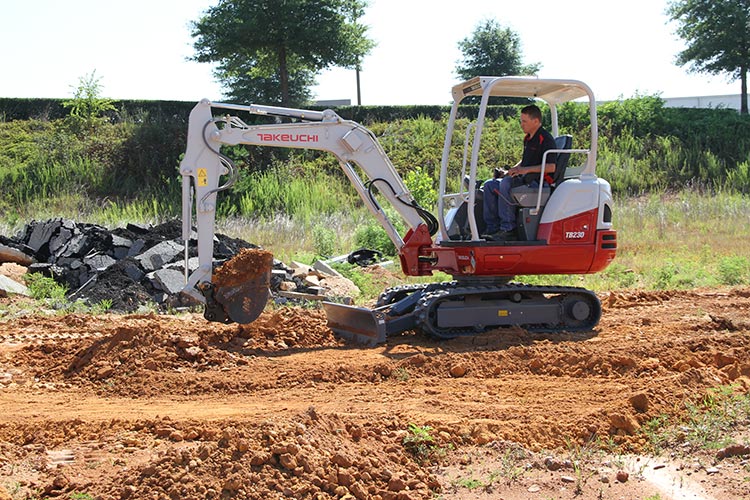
(202, 177)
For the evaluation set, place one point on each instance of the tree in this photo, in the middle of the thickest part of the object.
(717, 33)
(492, 50)
(271, 50)
(87, 106)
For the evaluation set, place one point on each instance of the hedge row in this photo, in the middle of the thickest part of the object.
(53, 109)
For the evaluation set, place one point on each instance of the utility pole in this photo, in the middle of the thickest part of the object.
(359, 93)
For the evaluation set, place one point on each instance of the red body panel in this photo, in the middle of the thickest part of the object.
(574, 246)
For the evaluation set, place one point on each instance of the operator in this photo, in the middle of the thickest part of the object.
(499, 208)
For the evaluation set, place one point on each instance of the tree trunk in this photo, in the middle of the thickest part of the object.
(284, 76)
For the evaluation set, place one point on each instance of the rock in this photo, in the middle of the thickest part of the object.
(99, 262)
(41, 233)
(625, 423)
(622, 476)
(415, 360)
(8, 286)
(105, 372)
(8, 254)
(345, 478)
(721, 360)
(341, 460)
(359, 491)
(639, 402)
(137, 228)
(288, 461)
(233, 484)
(14, 271)
(260, 458)
(311, 280)
(396, 484)
(324, 268)
(458, 370)
(567, 479)
(340, 286)
(119, 241)
(300, 269)
(169, 280)
(242, 445)
(164, 431)
(159, 255)
(733, 451)
(552, 464)
(136, 248)
(712, 470)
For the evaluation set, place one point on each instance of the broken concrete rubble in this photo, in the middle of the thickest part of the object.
(8, 285)
(136, 266)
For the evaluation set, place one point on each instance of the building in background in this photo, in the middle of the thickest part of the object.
(707, 101)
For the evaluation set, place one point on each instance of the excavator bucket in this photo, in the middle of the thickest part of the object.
(241, 286)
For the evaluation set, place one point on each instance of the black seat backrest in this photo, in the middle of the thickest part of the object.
(562, 142)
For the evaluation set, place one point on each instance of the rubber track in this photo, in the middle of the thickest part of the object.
(432, 299)
(397, 293)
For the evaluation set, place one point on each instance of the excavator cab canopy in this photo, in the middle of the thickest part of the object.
(552, 91)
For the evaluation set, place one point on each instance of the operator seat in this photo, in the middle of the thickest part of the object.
(526, 196)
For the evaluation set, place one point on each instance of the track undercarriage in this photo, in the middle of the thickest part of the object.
(465, 308)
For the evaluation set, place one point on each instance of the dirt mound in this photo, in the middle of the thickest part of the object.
(143, 355)
(154, 406)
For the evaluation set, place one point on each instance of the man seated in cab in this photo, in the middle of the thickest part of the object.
(499, 207)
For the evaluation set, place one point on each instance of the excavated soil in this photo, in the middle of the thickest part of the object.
(248, 265)
(171, 407)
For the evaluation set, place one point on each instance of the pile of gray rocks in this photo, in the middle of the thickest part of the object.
(128, 267)
(140, 265)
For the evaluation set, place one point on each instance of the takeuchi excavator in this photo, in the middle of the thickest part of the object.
(564, 227)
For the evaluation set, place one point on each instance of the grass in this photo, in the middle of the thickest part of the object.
(43, 287)
(678, 240)
(708, 422)
(665, 241)
(419, 442)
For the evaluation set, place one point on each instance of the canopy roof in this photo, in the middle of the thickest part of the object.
(551, 91)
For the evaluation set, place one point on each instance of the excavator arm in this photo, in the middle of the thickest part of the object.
(204, 165)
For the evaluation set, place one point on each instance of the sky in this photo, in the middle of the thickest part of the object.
(140, 49)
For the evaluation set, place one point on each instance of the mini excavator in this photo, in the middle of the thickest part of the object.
(563, 228)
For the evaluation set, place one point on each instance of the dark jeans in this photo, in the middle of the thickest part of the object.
(499, 207)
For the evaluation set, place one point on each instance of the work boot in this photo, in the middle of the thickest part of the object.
(500, 236)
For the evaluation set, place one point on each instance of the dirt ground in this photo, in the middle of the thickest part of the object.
(156, 407)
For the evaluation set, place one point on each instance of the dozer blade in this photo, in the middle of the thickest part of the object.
(357, 324)
(241, 287)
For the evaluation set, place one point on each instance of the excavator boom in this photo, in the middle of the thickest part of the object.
(203, 165)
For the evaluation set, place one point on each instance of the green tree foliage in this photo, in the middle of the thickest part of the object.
(87, 105)
(270, 50)
(717, 33)
(492, 50)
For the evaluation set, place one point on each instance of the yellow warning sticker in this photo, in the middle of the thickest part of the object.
(202, 177)
(502, 313)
